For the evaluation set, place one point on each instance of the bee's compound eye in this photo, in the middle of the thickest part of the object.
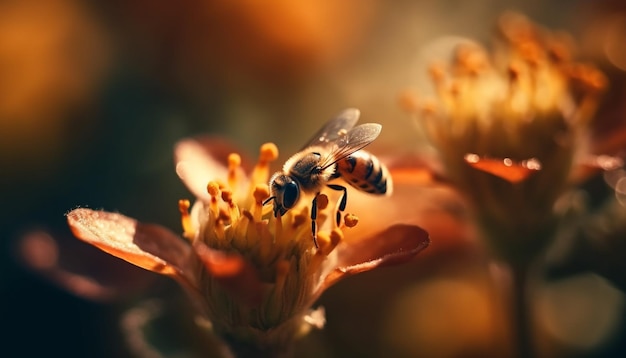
(291, 194)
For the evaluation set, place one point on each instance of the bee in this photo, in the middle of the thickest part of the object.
(333, 152)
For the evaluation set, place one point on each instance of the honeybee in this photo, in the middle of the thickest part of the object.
(333, 152)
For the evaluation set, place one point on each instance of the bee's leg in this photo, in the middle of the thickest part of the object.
(343, 202)
(314, 220)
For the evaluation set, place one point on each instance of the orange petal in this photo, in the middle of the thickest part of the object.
(592, 164)
(233, 272)
(203, 159)
(148, 246)
(505, 168)
(397, 244)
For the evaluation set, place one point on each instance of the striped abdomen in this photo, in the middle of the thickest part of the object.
(365, 172)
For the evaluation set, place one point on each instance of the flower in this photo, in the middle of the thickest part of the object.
(254, 277)
(511, 130)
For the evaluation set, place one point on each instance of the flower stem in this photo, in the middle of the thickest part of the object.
(522, 313)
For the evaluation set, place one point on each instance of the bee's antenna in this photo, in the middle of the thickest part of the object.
(266, 201)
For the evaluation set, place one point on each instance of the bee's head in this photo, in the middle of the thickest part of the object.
(285, 192)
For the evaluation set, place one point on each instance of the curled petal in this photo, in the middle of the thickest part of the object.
(396, 244)
(591, 165)
(202, 159)
(39, 251)
(148, 246)
(505, 168)
(233, 272)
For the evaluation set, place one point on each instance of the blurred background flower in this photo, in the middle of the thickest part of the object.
(93, 96)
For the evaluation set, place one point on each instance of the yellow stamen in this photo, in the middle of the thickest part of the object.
(323, 241)
(227, 196)
(266, 241)
(267, 154)
(260, 193)
(234, 162)
(327, 243)
(188, 231)
(213, 188)
(336, 235)
(246, 229)
(220, 226)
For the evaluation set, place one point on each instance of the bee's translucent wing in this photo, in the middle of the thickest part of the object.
(350, 142)
(332, 130)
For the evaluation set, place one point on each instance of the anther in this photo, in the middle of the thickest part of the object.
(260, 193)
(185, 218)
(268, 153)
(261, 172)
(213, 188)
(234, 162)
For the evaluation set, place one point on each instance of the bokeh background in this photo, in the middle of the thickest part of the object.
(93, 96)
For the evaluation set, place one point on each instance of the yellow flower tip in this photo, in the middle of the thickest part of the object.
(260, 193)
(328, 241)
(268, 153)
(516, 27)
(183, 206)
(350, 220)
(322, 202)
(437, 73)
(213, 188)
(409, 101)
(185, 218)
(470, 60)
(323, 243)
(234, 162)
(336, 235)
(531, 52)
